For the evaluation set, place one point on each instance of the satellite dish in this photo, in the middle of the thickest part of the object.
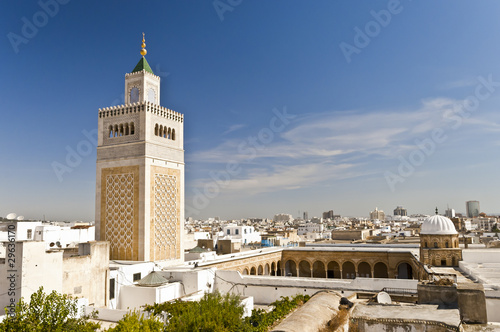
(384, 298)
(20, 218)
(11, 216)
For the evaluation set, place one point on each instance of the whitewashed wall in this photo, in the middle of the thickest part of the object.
(267, 289)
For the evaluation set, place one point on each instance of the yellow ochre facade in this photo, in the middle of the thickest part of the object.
(140, 174)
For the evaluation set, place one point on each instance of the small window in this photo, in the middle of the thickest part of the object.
(137, 276)
(236, 231)
(111, 288)
(228, 231)
(443, 262)
(426, 244)
(447, 245)
(28, 233)
(435, 244)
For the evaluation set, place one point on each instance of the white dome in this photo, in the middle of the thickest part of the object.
(438, 225)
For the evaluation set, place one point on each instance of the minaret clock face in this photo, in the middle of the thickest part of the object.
(134, 95)
(151, 95)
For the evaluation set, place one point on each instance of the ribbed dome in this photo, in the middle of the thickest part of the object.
(153, 279)
(438, 225)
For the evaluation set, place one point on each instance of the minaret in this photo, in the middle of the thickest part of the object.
(140, 173)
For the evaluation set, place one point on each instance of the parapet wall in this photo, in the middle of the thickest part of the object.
(140, 107)
(266, 289)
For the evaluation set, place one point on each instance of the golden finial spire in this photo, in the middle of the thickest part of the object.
(143, 51)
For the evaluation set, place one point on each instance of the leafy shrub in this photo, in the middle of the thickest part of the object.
(260, 321)
(213, 313)
(52, 312)
(134, 321)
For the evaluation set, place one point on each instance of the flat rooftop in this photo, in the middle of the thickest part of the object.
(482, 265)
(360, 248)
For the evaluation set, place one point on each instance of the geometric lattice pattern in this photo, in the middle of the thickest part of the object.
(166, 224)
(119, 214)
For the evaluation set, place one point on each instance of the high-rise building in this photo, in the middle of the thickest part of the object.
(472, 208)
(400, 211)
(328, 215)
(450, 213)
(140, 173)
(306, 215)
(377, 215)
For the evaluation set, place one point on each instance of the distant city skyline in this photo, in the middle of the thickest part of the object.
(288, 105)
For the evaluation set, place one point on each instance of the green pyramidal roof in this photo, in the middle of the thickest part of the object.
(142, 64)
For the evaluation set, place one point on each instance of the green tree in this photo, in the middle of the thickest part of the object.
(134, 321)
(213, 313)
(260, 321)
(52, 312)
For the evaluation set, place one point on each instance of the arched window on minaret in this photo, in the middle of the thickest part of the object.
(156, 129)
(121, 130)
(132, 129)
(169, 133)
(127, 132)
(173, 134)
(161, 130)
(134, 95)
(116, 131)
(110, 131)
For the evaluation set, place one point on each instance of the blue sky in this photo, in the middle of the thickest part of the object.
(404, 112)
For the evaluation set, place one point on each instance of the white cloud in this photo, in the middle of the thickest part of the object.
(462, 83)
(233, 128)
(286, 177)
(334, 145)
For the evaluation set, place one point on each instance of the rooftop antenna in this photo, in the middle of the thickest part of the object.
(436, 210)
